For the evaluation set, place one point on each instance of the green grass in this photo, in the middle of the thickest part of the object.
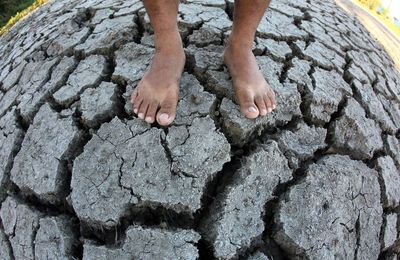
(11, 11)
(8, 9)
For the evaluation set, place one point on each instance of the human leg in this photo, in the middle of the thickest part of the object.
(252, 91)
(156, 96)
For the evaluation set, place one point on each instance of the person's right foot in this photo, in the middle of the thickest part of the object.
(156, 96)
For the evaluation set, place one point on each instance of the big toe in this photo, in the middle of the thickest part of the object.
(249, 109)
(167, 112)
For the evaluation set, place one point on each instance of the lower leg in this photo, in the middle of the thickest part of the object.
(163, 18)
(156, 96)
(246, 18)
(252, 91)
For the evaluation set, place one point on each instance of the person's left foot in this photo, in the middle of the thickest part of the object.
(252, 91)
(156, 96)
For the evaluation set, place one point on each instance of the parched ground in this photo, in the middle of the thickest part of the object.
(389, 40)
(82, 178)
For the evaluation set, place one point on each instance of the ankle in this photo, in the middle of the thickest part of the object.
(168, 41)
(175, 53)
(236, 43)
(234, 51)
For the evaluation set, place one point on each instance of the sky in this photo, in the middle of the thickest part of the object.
(394, 8)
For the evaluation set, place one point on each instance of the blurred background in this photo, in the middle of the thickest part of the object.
(13, 10)
(9, 8)
(389, 10)
(382, 20)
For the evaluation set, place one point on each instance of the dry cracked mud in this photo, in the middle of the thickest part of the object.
(82, 178)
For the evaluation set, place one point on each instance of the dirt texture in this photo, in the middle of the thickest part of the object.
(82, 178)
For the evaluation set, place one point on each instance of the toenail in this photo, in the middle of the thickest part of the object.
(149, 119)
(135, 110)
(252, 109)
(264, 111)
(164, 116)
(141, 116)
(273, 106)
(269, 110)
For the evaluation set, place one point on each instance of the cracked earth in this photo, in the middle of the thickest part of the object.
(82, 178)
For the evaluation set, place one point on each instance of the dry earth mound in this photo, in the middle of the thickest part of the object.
(82, 178)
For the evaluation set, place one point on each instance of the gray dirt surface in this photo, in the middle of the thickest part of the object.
(81, 177)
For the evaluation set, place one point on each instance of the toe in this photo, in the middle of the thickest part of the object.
(151, 112)
(261, 105)
(272, 97)
(134, 95)
(143, 109)
(247, 106)
(249, 109)
(136, 104)
(268, 102)
(167, 112)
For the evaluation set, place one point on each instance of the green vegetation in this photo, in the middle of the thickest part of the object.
(10, 8)
(382, 15)
(11, 11)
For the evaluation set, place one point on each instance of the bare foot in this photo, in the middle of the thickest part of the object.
(156, 96)
(252, 91)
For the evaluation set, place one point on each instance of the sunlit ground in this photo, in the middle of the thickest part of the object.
(385, 19)
(379, 29)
